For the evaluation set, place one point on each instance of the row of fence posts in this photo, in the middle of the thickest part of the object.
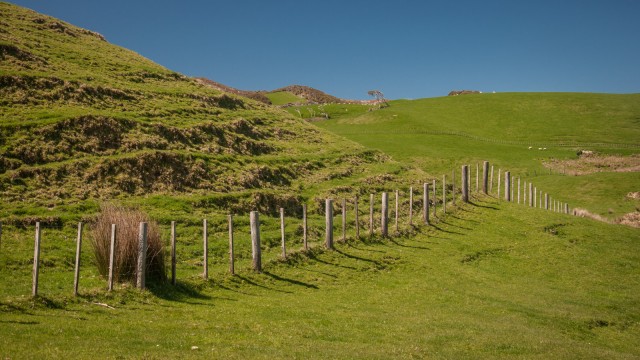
(487, 185)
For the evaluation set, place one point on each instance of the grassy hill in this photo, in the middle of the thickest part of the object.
(488, 279)
(508, 130)
(85, 120)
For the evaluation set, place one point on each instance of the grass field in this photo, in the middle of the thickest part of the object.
(490, 280)
(439, 134)
(284, 97)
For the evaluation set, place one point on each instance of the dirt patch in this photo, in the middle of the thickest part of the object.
(630, 219)
(595, 163)
(634, 195)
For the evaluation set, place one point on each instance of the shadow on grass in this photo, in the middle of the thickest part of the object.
(409, 246)
(454, 225)
(350, 256)
(253, 283)
(314, 257)
(181, 291)
(476, 204)
(19, 322)
(290, 281)
(445, 231)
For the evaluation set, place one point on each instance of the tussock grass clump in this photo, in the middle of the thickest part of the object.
(126, 254)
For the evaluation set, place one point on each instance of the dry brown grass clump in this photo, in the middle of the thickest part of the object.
(127, 227)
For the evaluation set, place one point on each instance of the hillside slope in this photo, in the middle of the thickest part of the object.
(536, 136)
(83, 119)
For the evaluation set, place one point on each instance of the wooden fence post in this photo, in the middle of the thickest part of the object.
(425, 203)
(507, 186)
(357, 220)
(256, 252)
(535, 196)
(142, 256)
(530, 194)
(397, 208)
(469, 180)
(205, 241)
(491, 182)
(305, 243)
(410, 205)
(232, 267)
(76, 275)
(173, 253)
(546, 201)
(284, 248)
(444, 194)
(465, 184)
(112, 257)
(328, 242)
(370, 214)
(36, 261)
(0, 235)
(511, 179)
(518, 191)
(485, 177)
(344, 220)
(540, 199)
(566, 208)
(384, 221)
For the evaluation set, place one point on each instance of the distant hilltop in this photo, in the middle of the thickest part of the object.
(291, 95)
(463, 92)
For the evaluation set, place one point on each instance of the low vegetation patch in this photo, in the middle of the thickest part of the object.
(127, 222)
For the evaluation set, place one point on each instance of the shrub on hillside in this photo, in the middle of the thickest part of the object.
(127, 223)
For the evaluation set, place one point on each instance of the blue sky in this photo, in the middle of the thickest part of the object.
(407, 49)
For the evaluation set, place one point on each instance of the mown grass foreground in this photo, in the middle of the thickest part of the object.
(489, 279)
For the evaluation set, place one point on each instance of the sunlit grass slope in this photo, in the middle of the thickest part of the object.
(515, 131)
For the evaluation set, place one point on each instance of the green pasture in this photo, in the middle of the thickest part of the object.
(284, 97)
(515, 132)
(486, 280)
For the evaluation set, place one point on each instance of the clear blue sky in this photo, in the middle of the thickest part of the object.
(407, 49)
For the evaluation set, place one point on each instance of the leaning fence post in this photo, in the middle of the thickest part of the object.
(284, 249)
(36, 261)
(425, 203)
(485, 177)
(328, 242)
(507, 186)
(173, 253)
(205, 241)
(384, 231)
(112, 256)
(76, 276)
(304, 227)
(370, 214)
(256, 252)
(465, 183)
(142, 256)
